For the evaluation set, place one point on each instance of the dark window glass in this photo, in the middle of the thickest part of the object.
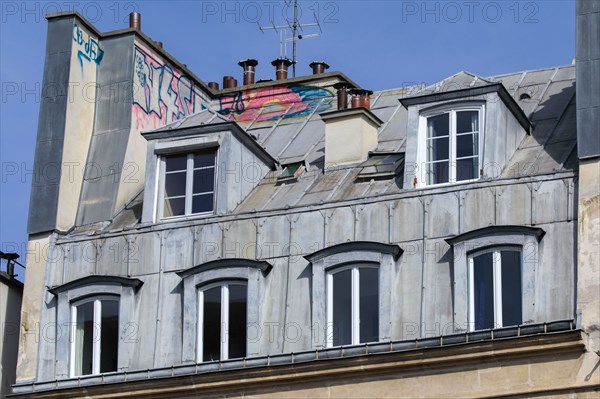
(202, 203)
(466, 169)
(438, 125)
(204, 159)
(467, 121)
(369, 305)
(511, 288)
(483, 278)
(84, 339)
(211, 332)
(467, 145)
(175, 184)
(174, 207)
(237, 321)
(204, 180)
(438, 172)
(438, 149)
(109, 338)
(176, 162)
(342, 308)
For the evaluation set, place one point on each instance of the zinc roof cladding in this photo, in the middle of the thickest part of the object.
(549, 106)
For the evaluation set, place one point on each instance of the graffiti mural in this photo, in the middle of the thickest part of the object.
(161, 93)
(275, 102)
(88, 48)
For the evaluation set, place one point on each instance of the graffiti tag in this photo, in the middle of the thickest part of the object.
(89, 49)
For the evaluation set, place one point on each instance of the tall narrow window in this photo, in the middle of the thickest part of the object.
(94, 336)
(188, 183)
(452, 146)
(222, 316)
(353, 305)
(496, 292)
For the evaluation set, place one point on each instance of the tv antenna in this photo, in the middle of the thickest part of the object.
(294, 28)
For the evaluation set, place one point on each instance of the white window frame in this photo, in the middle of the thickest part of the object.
(224, 341)
(97, 348)
(355, 298)
(497, 284)
(450, 109)
(162, 170)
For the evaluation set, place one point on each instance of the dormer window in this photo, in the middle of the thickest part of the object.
(188, 183)
(451, 145)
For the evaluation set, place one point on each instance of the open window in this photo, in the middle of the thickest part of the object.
(94, 335)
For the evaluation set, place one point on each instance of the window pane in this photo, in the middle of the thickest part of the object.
(237, 321)
(484, 290)
(437, 149)
(203, 159)
(437, 172)
(204, 180)
(511, 288)
(202, 203)
(109, 336)
(467, 145)
(84, 339)
(467, 121)
(176, 162)
(175, 184)
(466, 169)
(174, 207)
(342, 308)
(211, 332)
(438, 125)
(369, 305)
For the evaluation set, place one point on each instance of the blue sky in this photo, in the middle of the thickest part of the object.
(378, 44)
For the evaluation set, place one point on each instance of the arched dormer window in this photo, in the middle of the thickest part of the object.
(351, 292)
(221, 302)
(94, 323)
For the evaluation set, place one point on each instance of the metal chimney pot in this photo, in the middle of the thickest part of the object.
(213, 85)
(228, 82)
(361, 98)
(281, 68)
(135, 20)
(318, 67)
(249, 66)
(342, 95)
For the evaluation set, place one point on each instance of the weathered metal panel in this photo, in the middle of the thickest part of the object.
(297, 333)
(311, 133)
(406, 317)
(339, 226)
(550, 201)
(143, 253)
(407, 219)
(178, 249)
(373, 222)
(308, 233)
(271, 328)
(513, 205)
(477, 209)
(441, 217)
(553, 102)
(112, 256)
(144, 329)
(239, 239)
(167, 349)
(273, 237)
(80, 260)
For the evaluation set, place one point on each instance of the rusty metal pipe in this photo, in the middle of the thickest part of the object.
(249, 66)
(135, 20)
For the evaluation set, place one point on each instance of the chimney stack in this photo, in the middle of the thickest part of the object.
(342, 95)
(135, 20)
(318, 67)
(249, 66)
(281, 68)
(361, 98)
(229, 82)
(213, 86)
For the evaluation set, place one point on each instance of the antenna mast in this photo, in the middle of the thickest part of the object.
(294, 27)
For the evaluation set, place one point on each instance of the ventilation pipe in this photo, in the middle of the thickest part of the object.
(342, 95)
(318, 67)
(249, 66)
(361, 98)
(135, 20)
(229, 82)
(213, 86)
(281, 68)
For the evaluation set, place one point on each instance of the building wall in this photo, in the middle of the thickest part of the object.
(11, 292)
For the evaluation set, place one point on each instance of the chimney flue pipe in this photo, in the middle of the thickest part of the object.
(135, 20)
(213, 85)
(228, 82)
(342, 95)
(281, 68)
(318, 67)
(249, 66)
(361, 98)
